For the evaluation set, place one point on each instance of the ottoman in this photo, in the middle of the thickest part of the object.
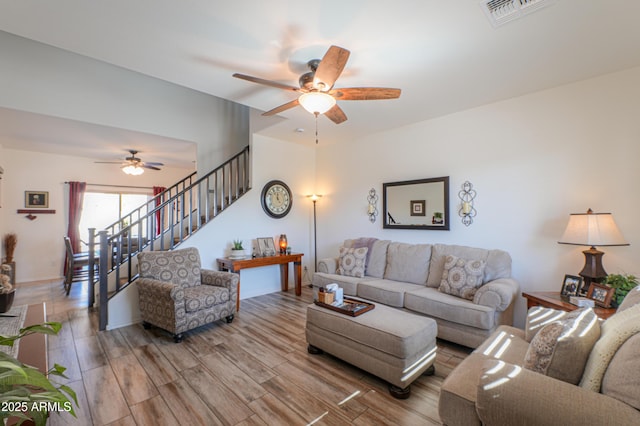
(394, 345)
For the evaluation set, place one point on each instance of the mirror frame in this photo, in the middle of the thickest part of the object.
(385, 221)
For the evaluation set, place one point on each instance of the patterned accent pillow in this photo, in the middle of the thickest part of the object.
(461, 277)
(351, 261)
(561, 348)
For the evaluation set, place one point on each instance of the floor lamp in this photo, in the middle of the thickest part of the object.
(314, 198)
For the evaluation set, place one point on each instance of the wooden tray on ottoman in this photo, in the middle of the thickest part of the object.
(349, 307)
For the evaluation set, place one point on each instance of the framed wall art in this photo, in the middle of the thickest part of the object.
(418, 208)
(36, 199)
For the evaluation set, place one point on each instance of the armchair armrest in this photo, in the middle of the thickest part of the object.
(498, 294)
(160, 290)
(328, 265)
(508, 394)
(219, 278)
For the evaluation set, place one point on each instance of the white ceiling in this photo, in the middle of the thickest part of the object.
(444, 55)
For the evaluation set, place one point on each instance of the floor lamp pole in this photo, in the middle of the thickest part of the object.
(315, 240)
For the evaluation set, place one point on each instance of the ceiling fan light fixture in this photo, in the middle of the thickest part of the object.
(133, 170)
(317, 102)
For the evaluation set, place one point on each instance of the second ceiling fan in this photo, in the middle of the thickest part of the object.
(317, 94)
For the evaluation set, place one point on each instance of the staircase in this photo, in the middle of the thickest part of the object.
(162, 224)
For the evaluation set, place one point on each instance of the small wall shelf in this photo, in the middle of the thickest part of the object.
(31, 213)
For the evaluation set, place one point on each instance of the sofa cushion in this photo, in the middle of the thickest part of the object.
(377, 259)
(180, 267)
(204, 296)
(431, 302)
(408, 262)
(498, 262)
(461, 277)
(351, 261)
(561, 348)
(614, 332)
(617, 382)
(390, 293)
(348, 284)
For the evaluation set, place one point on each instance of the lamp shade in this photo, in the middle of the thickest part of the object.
(133, 170)
(592, 229)
(317, 102)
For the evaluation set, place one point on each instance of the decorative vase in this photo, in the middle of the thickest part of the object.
(6, 301)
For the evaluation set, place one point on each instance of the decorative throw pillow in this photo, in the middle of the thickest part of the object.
(461, 277)
(351, 261)
(615, 331)
(561, 348)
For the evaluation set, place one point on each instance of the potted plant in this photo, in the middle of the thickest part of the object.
(623, 284)
(27, 394)
(237, 251)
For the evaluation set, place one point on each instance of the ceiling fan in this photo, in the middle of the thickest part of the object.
(317, 94)
(134, 165)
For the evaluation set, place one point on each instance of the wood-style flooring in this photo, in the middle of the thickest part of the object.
(254, 371)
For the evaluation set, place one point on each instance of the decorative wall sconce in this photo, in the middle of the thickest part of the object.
(467, 212)
(372, 209)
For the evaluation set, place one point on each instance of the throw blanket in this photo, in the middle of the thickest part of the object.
(613, 333)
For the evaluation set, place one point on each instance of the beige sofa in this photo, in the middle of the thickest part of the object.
(561, 370)
(408, 277)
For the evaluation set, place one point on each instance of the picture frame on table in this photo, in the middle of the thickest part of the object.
(601, 294)
(418, 207)
(570, 286)
(266, 247)
(36, 199)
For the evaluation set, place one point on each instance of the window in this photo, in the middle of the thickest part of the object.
(101, 209)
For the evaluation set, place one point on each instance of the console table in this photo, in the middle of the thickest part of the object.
(236, 265)
(552, 299)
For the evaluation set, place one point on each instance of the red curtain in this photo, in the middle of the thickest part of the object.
(76, 198)
(157, 190)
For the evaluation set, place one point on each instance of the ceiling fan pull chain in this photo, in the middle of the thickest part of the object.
(316, 114)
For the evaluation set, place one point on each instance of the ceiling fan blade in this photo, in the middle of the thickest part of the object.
(266, 82)
(108, 162)
(151, 163)
(365, 93)
(147, 166)
(284, 107)
(330, 68)
(336, 114)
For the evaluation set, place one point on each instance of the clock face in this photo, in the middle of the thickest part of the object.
(276, 199)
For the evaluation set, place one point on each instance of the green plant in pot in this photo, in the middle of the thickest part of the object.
(27, 394)
(237, 251)
(623, 284)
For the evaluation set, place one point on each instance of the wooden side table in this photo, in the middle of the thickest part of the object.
(552, 299)
(236, 265)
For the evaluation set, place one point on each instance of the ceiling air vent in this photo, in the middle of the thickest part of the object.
(500, 12)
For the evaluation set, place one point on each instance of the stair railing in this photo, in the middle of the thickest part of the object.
(162, 224)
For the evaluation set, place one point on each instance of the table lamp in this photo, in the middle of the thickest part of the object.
(592, 229)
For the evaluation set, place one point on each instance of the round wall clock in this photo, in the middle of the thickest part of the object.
(276, 199)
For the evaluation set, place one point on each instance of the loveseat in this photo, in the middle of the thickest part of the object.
(563, 369)
(476, 296)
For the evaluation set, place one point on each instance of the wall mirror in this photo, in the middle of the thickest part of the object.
(416, 204)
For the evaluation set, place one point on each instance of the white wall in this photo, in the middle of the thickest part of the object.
(51, 81)
(533, 160)
(245, 220)
(40, 250)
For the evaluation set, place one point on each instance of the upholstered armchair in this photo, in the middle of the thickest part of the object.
(177, 295)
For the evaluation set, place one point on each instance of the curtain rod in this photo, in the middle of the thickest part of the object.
(118, 186)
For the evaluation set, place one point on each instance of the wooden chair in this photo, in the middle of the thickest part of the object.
(77, 266)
